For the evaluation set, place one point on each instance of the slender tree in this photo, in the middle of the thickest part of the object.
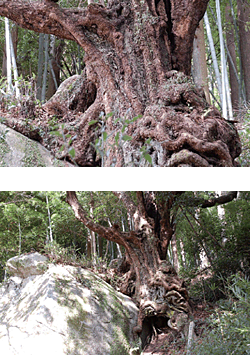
(40, 67)
(244, 32)
(138, 62)
(230, 38)
(8, 55)
(199, 61)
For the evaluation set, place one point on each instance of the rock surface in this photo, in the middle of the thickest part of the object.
(65, 310)
(27, 265)
(16, 150)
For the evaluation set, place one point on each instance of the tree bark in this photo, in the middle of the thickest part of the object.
(244, 31)
(138, 57)
(232, 51)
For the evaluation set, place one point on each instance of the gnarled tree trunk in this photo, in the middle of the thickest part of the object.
(138, 59)
(151, 280)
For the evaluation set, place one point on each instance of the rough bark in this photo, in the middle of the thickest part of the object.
(138, 58)
(152, 281)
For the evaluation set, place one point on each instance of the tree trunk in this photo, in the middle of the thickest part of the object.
(244, 31)
(159, 292)
(199, 61)
(175, 253)
(138, 56)
(232, 51)
(40, 67)
(54, 70)
(45, 69)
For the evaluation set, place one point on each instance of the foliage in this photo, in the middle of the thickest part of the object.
(215, 243)
(103, 146)
(56, 253)
(243, 116)
(26, 103)
(230, 323)
(67, 141)
(28, 210)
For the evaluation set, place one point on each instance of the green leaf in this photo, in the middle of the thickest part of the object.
(109, 115)
(148, 158)
(136, 118)
(126, 137)
(117, 138)
(56, 133)
(148, 141)
(143, 149)
(72, 152)
(105, 135)
(93, 122)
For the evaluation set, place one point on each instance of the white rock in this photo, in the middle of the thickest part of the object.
(65, 310)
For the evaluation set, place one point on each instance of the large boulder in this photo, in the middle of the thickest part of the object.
(16, 150)
(64, 310)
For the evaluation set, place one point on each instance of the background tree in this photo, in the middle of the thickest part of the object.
(138, 58)
(243, 7)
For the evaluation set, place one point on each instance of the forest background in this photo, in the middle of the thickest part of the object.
(221, 64)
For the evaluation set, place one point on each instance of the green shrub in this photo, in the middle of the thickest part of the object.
(230, 324)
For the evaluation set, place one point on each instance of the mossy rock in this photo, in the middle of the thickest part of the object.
(16, 150)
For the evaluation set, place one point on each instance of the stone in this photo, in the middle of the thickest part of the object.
(27, 265)
(16, 150)
(66, 310)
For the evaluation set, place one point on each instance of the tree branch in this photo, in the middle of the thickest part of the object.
(113, 233)
(35, 16)
(220, 200)
(68, 23)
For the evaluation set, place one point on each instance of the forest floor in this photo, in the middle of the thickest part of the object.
(170, 343)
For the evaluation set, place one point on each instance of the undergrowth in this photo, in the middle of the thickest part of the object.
(229, 326)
